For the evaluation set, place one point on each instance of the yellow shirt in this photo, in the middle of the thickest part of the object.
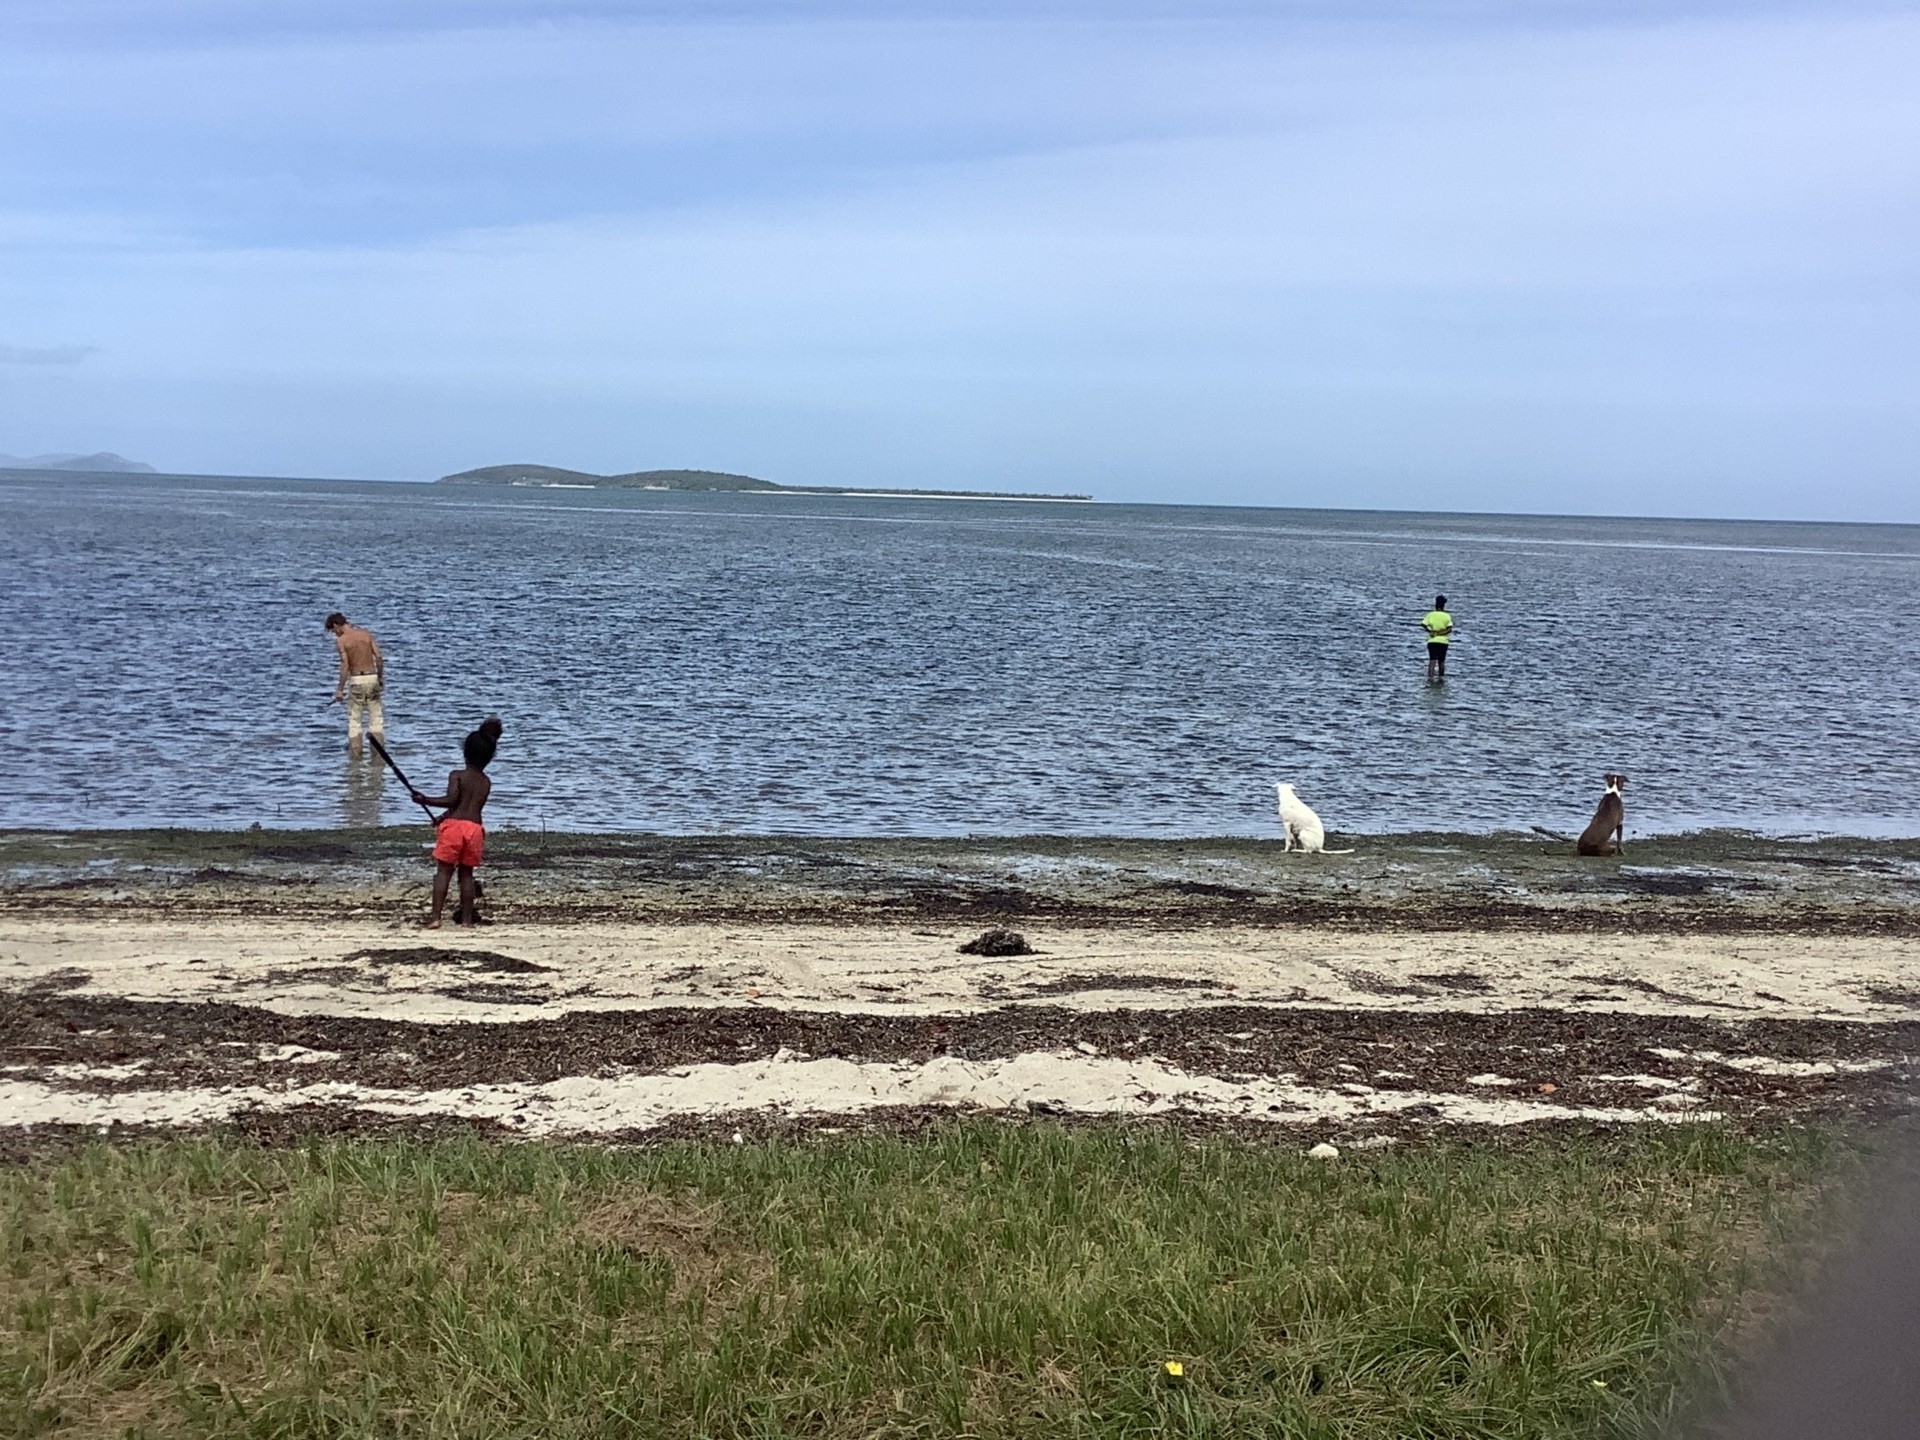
(1439, 627)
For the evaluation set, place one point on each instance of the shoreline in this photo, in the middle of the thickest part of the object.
(633, 988)
(1717, 882)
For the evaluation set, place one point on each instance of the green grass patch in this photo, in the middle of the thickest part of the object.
(985, 1280)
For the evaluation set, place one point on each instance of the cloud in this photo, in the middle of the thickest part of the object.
(46, 354)
(1294, 256)
(104, 24)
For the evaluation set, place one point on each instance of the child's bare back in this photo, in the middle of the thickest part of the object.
(466, 797)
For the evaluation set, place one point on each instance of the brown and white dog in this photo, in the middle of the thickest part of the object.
(1607, 831)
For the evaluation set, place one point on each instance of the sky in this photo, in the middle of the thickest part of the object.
(1562, 257)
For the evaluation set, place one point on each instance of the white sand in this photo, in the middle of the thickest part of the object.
(1057, 1080)
(1765, 1065)
(298, 968)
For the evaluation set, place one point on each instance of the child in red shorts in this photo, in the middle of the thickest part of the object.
(462, 838)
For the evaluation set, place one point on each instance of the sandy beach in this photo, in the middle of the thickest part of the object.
(640, 986)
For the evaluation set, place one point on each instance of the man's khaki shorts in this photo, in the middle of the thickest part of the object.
(363, 700)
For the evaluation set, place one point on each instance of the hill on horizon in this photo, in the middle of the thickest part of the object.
(705, 480)
(104, 462)
(633, 480)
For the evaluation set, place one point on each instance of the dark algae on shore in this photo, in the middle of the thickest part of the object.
(1716, 881)
(1816, 1070)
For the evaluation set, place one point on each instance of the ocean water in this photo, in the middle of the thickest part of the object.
(807, 664)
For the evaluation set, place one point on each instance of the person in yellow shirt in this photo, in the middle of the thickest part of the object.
(1439, 627)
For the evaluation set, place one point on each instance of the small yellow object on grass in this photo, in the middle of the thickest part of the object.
(1175, 1370)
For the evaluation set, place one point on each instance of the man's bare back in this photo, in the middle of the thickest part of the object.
(359, 651)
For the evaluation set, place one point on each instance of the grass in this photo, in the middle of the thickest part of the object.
(985, 1280)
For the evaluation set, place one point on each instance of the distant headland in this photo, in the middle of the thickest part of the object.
(104, 463)
(553, 477)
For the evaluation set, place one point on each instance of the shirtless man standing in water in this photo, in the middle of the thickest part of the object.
(462, 837)
(363, 674)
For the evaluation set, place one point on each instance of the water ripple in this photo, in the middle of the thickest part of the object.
(834, 665)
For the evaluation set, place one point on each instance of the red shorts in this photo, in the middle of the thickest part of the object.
(461, 842)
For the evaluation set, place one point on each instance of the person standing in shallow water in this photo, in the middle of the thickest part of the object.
(1439, 627)
(363, 675)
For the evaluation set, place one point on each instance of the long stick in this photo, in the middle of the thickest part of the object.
(400, 775)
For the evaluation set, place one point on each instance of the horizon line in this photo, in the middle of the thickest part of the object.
(988, 497)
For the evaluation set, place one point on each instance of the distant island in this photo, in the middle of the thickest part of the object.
(104, 463)
(553, 477)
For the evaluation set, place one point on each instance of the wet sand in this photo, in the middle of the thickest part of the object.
(634, 987)
(1715, 881)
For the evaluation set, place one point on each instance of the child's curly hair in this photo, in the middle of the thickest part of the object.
(480, 744)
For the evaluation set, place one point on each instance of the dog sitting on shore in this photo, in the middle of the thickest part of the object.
(1606, 833)
(1302, 826)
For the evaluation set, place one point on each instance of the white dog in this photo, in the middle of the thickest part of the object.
(1302, 825)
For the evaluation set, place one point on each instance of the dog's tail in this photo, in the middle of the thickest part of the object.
(1336, 852)
(1551, 834)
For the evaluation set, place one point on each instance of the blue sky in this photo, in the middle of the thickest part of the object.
(1607, 258)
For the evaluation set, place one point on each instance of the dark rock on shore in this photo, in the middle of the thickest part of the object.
(998, 942)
